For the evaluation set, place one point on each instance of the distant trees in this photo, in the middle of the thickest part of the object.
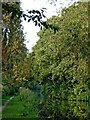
(14, 50)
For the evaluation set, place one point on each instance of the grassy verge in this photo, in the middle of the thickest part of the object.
(15, 109)
(4, 99)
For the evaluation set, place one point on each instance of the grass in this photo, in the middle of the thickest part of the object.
(4, 99)
(15, 109)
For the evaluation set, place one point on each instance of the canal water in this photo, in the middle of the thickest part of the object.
(69, 110)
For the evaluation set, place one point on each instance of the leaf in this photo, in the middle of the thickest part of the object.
(39, 24)
(35, 23)
(25, 18)
(30, 12)
(29, 20)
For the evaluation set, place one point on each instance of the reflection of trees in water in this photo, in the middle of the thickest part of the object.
(68, 110)
(80, 110)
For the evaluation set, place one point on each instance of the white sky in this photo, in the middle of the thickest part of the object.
(29, 28)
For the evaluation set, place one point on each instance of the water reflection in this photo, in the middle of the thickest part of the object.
(75, 110)
(67, 110)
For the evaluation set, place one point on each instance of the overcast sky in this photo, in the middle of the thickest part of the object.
(29, 28)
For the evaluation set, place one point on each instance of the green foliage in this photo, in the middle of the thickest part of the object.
(14, 51)
(58, 63)
(4, 99)
(5, 91)
(15, 109)
(27, 97)
(25, 93)
(60, 60)
(64, 110)
(35, 15)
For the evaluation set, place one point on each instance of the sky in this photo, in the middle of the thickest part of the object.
(30, 29)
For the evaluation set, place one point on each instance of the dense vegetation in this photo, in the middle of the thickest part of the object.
(60, 61)
(14, 53)
(56, 70)
(28, 105)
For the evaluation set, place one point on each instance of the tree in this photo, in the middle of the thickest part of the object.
(61, 58)
(14, 50)
(35, 15)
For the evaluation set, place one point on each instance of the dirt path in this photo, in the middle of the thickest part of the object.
(1, 108)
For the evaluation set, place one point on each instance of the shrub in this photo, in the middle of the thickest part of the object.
(5, 91)
(29, 99)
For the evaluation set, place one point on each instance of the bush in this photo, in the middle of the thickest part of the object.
(29, 99)
(5, 91)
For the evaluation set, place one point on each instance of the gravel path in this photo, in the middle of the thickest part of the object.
(1, 108)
